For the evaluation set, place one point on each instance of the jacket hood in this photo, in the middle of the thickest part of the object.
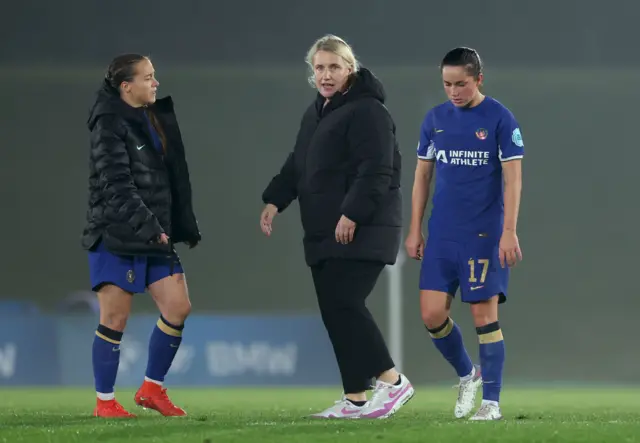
(108, 101)
(366, 84)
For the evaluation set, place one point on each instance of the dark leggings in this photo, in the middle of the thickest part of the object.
(342, 286)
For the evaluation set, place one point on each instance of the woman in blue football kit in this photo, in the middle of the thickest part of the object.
(139, 207)
(475, 146)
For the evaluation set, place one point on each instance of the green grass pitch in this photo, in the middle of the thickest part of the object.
(278, 415)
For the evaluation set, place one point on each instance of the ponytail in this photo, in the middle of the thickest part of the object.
(156, 125)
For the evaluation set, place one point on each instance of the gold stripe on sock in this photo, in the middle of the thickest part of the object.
(105, 338)
(491, 337)
(168, 329)
(444, 331)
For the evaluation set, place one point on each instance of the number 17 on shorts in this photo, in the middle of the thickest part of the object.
(481, 276)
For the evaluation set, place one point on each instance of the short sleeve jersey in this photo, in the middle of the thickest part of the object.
(469, 146)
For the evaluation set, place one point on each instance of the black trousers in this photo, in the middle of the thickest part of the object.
(342, 287)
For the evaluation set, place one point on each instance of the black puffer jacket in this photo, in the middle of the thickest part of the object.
(136, 193)
(345, 162)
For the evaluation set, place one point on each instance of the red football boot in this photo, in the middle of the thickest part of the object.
(111, 409)
(153, 396)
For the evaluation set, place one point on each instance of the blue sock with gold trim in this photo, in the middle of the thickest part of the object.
(106, 358)
(163, 345)
(448, 340)
(491, 360)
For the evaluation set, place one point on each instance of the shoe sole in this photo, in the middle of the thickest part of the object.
(489, 419)
(144, 408)
(320, 417)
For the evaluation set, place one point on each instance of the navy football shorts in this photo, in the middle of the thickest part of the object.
(471, 265)
(130, 273)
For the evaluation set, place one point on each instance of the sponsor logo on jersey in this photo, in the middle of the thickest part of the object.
(463, 158)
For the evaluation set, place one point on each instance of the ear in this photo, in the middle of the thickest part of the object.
(480, 79)
(125, 86)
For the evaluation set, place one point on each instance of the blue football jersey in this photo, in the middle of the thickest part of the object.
(469, 146)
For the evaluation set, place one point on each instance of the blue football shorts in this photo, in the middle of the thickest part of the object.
(471, 265)
(131, 273)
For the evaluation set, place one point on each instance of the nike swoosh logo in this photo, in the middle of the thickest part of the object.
(140, 147)
(473, 288)
(393, 395)
(349, 411)
(115, 349)
(439, 130)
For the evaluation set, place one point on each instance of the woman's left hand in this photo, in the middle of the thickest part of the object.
(345, 230)
(510, 252)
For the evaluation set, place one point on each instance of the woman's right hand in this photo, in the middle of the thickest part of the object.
(164, 239)
(266, 218)
(415, 245)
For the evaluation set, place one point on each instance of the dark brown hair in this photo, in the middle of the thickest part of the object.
(465, 57)
(158, 127)
(123, 69)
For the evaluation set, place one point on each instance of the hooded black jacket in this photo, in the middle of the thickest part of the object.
(345, 161)
(136, 193)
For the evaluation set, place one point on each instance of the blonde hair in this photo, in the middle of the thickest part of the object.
(336, 45)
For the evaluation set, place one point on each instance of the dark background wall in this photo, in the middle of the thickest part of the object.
(568, 71)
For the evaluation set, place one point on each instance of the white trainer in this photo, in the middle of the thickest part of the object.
(467, 391)
(341, 409)
(487, 412)
(388, 398)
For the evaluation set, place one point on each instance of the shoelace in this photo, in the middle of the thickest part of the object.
(378, 391)
(458, 386)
